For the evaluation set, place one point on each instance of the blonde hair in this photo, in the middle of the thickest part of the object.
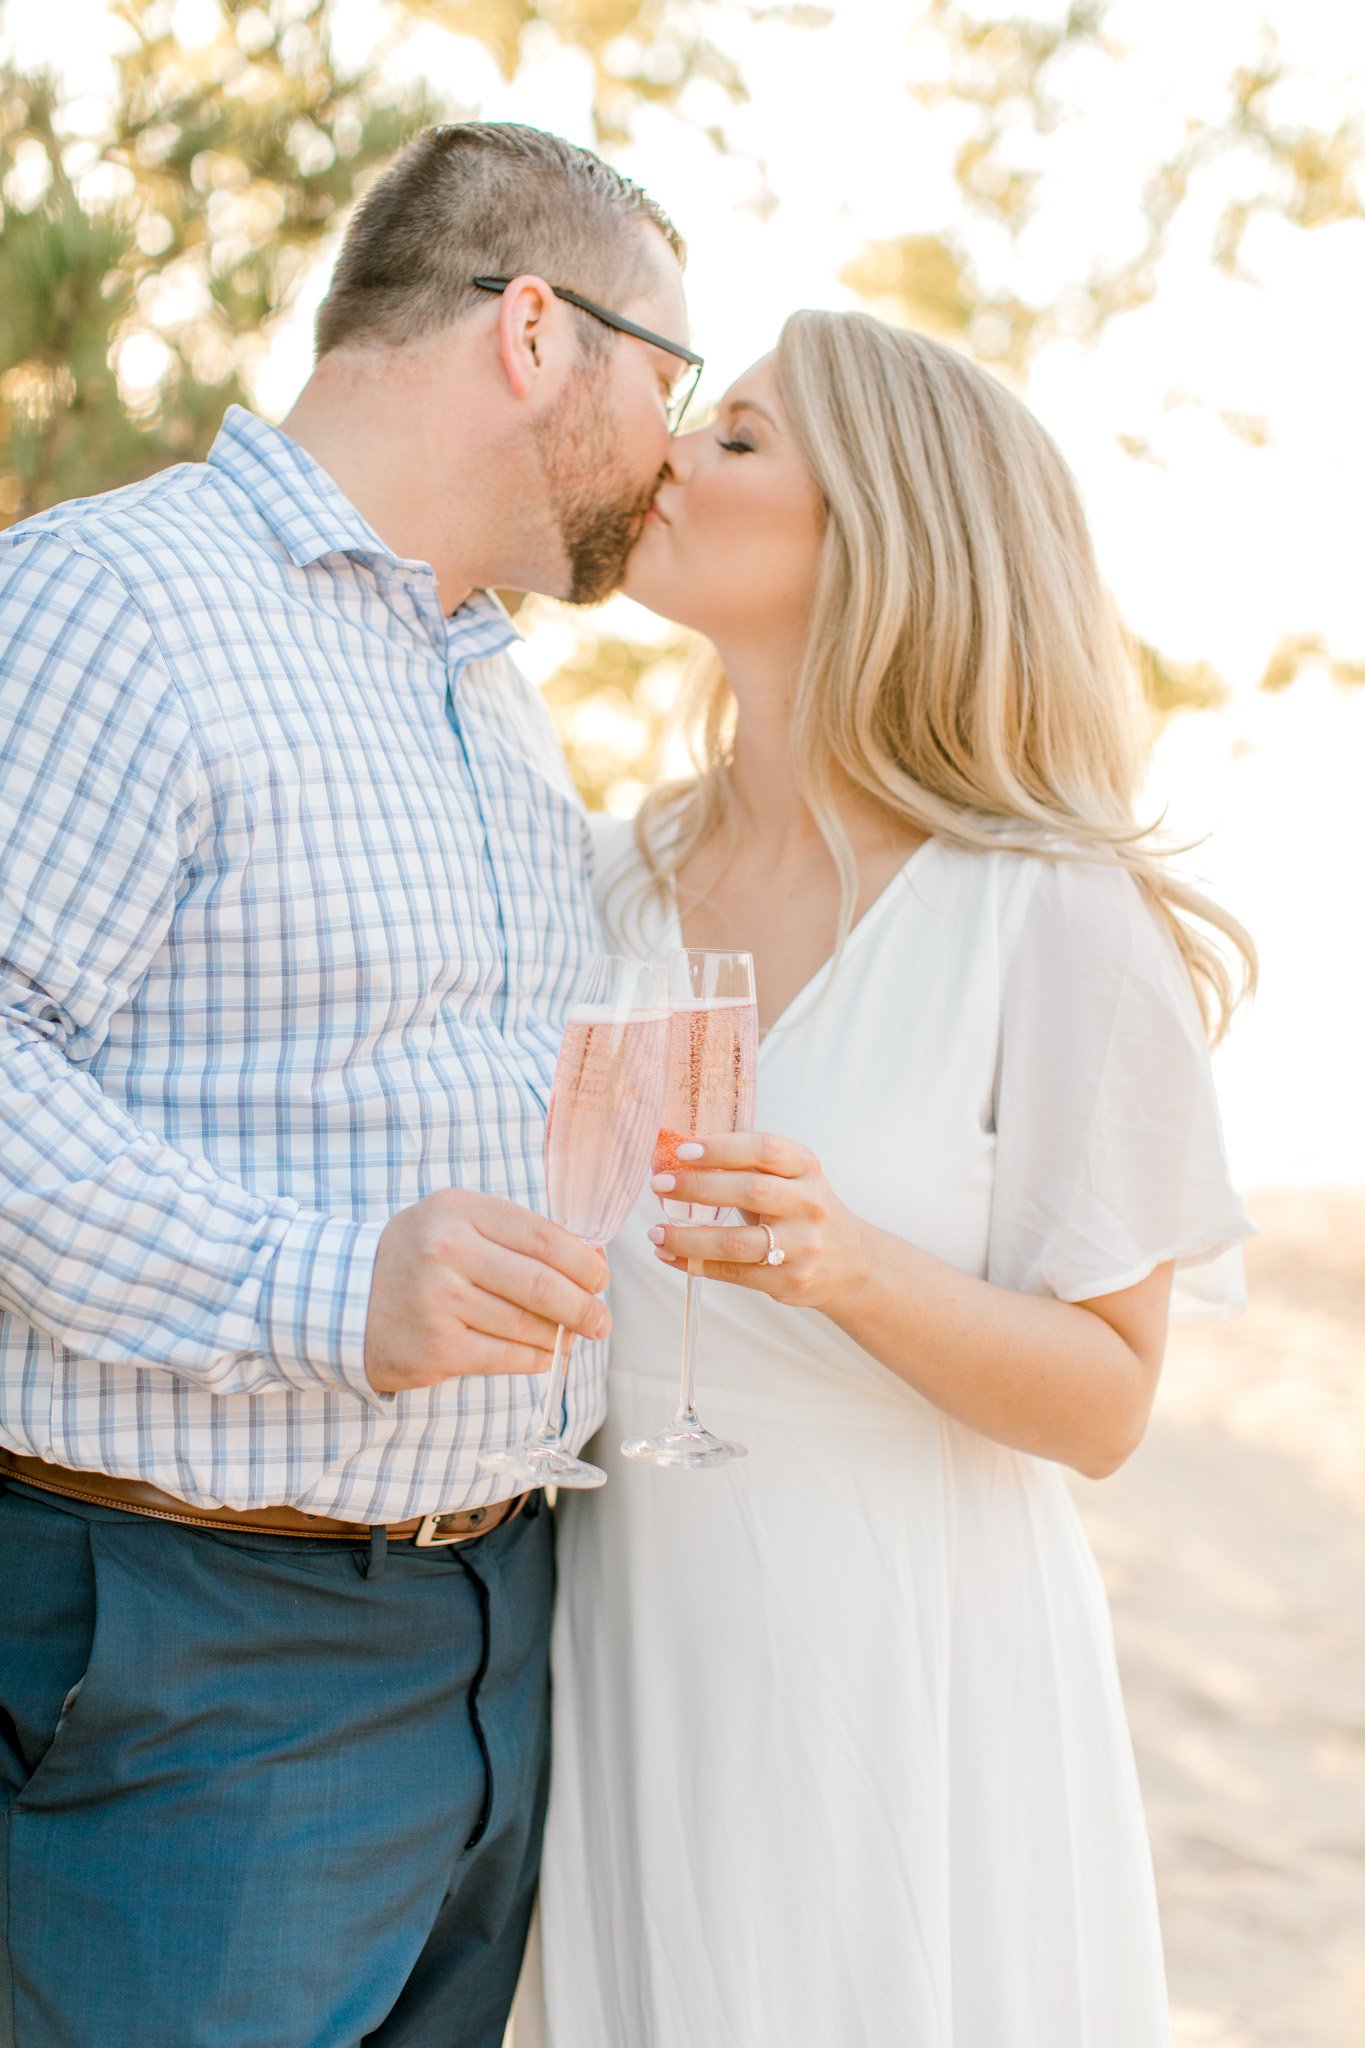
(965, 667)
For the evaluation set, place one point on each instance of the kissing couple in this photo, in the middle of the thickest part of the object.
(295, 894)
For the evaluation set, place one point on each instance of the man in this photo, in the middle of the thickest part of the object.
(293, 896)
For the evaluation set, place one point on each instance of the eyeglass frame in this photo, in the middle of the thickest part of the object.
(677, 404)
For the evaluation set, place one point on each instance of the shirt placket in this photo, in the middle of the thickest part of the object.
(483, 784)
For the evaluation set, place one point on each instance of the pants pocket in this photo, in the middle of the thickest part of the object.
(47, 1632)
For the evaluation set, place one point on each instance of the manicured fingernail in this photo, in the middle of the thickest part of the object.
(663, 1183)
(656, 1235)
(667, 1258)
(691, 1151)
(601, 1324)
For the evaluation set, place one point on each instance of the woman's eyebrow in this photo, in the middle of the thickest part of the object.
(749, 405)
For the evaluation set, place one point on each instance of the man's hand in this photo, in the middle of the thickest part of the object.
(469, 1284)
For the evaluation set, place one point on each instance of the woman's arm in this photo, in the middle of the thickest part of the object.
(1073, 1381)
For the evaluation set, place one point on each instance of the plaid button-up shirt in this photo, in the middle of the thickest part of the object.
(294, 892)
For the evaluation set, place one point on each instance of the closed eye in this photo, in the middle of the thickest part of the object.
(738, 447)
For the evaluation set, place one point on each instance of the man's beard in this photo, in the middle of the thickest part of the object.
(579, 456)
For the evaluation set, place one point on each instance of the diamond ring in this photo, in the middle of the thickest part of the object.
(774, 1255)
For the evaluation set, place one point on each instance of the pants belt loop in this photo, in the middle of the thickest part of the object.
(379, 1551)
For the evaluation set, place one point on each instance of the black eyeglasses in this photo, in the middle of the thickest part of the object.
(681, 397)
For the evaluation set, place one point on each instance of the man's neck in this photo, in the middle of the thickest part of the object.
(364, 426)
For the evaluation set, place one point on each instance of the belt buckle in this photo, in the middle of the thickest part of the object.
(428, 1536)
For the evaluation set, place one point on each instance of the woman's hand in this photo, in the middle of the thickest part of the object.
(1069, 1380)
(826, 1248)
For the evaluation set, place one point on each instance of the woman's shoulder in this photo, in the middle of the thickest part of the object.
(1091, 942)
(1088, 903)
(613, 839)
(1060, 909)
(631, 913)
(616, 858)
(1054, 886)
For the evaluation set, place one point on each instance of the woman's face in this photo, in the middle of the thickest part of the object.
(732, 544)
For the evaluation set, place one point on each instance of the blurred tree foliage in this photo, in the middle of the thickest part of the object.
(150, 247)
(1020, 79)
(611, 699)
(641, 52)
(1178, 685)
(142, 264)
(1308, 651)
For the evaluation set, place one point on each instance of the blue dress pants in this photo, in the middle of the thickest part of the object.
(257, 1794)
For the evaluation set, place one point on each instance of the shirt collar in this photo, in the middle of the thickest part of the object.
(294, 494)
(482, 626)
(313, 517)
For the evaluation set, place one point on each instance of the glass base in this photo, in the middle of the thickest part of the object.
(542, 1464)
(689, 1448)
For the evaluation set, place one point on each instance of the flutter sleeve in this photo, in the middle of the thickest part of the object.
(1109, 1150)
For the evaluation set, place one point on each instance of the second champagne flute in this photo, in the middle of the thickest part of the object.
(712, 1081)
(604, 1116)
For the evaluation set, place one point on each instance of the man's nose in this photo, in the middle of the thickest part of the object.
(678, 462)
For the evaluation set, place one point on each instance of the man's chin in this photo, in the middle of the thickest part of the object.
(597, 573)
(587, 591)
(587, 578)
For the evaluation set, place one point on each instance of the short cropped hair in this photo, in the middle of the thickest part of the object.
(485, 199)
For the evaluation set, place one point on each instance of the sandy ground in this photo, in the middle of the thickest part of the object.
(1233, 1545)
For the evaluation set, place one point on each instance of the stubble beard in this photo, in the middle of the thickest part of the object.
(599, 515)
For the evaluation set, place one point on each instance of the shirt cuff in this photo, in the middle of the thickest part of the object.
(314, 1304)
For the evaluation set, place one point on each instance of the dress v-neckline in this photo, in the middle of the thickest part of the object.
(855, 932)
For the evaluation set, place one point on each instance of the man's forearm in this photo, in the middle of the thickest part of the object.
(126, 1251)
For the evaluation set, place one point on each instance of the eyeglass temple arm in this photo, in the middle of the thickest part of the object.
(617, 320)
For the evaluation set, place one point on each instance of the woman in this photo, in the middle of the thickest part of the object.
(841, 1759)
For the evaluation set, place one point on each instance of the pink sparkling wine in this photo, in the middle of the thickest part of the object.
(604, 1114)
(712, 1077)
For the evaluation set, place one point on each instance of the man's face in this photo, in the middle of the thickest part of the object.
(604, 450)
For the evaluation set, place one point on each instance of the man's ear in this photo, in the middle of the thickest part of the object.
(524, 314)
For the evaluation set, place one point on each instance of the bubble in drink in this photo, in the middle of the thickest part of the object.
(604, 1111)
(666, 1158)
(712, 1076)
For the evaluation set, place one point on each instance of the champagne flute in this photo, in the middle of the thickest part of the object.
(605, 1105)
(712, 1080)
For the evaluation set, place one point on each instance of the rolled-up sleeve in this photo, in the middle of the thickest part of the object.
(119, 1247)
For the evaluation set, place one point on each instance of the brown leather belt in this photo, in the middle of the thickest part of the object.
(136, 1497)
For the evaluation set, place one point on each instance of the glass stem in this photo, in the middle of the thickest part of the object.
(549, 1423)
(687, 1417)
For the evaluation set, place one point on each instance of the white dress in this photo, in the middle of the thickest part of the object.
(840, 1754)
